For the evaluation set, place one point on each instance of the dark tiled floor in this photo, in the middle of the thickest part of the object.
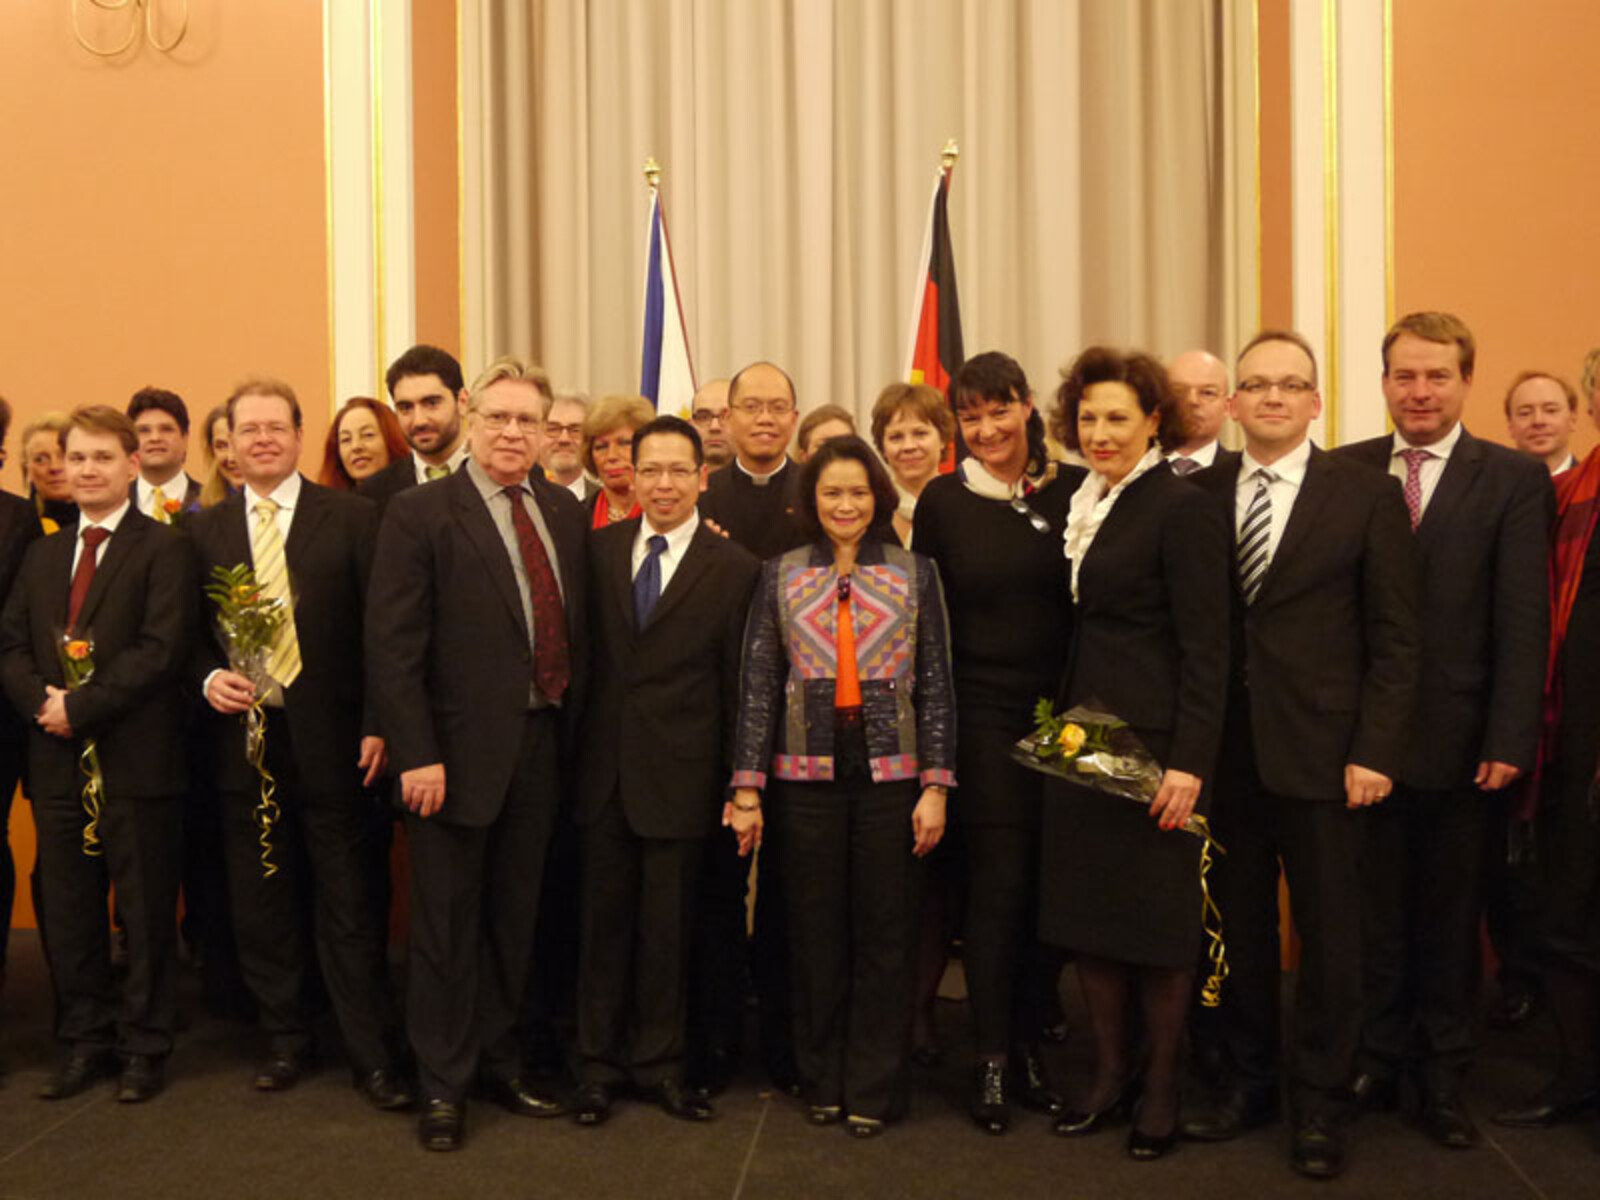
(209, 1135)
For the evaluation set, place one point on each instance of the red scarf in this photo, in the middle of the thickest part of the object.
(1577, 505)
(602, 510)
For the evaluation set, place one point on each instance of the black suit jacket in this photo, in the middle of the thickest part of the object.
(763, 519)
(448, 655)
(191, 494)
(329, 553)
(658, 729)
(140, 614)
(383, 486)
(1325, 661)
(19, 529)
(1151, 642)
(1484, 542)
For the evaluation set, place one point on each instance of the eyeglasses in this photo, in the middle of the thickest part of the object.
(1291, 385)
(277, 429)
(678, 473)
(707, 416)
(555, 431)
(1205, 391)
(751, 406)
(498, 422)
(1018, 504)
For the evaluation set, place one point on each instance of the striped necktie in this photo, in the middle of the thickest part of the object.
(1254, 536)
(158, 506)
(272, 574)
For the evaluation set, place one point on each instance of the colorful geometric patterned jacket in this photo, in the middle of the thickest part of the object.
(791, 664)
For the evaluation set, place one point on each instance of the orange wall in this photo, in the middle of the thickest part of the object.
(435, 174)
(1495, 183)
(162, 218)
(1276, 164)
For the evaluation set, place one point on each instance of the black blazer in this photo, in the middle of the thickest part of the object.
(1325, 661)
(1152, 620)
(448, 656)
(383, 486)
(1484, 542)
(19, 529)
(140, 613)
(659, 727)
(191, 494)
(329, 553)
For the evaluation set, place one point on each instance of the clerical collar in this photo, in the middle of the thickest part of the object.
(762, 480)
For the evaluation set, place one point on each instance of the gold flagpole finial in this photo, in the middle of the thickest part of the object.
(951, 152)
(652, 172)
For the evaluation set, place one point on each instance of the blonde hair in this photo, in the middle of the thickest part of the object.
(508, 366)
(610, 413)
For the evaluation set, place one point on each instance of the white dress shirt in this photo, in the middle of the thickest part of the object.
(677, 547)
(1432, 467)
(286, 495)
(1290, 471)
(1091, 505)
(109, 524)
(453, 462)
(1205, 456)
(176, 488)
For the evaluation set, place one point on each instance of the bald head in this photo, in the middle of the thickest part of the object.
(709, 411)
(762, 416)
(1200, 383)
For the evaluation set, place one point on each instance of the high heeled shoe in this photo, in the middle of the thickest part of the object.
(1030, 1082)
(989, 1109)
(1081, 1123)
(1147, 1147)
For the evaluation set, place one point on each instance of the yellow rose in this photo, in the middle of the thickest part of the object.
(1071, 738)
(78, 650)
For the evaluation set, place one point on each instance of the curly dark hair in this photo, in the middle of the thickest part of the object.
(1139, 371)
(999, 377)
(885, 499)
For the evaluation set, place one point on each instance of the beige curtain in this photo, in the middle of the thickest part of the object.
(1106, 147)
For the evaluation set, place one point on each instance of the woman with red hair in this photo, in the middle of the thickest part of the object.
(363, 439)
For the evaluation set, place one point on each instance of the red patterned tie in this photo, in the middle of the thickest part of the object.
(550, 669)
(83, 574)
(1414, 459)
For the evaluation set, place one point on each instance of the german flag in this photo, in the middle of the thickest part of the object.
(935, 352)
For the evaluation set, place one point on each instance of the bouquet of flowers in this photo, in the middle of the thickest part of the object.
(77, 668)
(249, 622)
(1093, 748)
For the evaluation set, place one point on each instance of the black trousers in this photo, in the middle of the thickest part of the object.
(854, 889)
(1422, 899)
(474, 909)
(321, 849)
(1318, 846)
(633, 967)
(141, 841)
(1510, 901)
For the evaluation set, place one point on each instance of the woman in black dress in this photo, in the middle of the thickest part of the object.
(1121, 884)
(1566, 830)
(994, 528)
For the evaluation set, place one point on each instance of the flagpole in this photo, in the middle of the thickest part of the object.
(652, 172)
(948, 156)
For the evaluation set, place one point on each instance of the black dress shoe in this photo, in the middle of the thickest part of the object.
(1549, 1109)
(678, 1101)
(591, 1104)
(1370, 1092)
(824, 1114)
(77, 1071)
(385, 1090)
(1030, 1083)
(141, 1078)
(1513, 1010)
(1318, 1148)
(1445, 1120)
(442, 1126)
(518, 1099)
(863, 1127)
(1147, 1147)
(280, 1071)
(713, 1072)
(1082, 1122)
(1235, 1113)
(989, 1109)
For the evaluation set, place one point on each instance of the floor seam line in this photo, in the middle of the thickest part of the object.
(1516, 1167)
(750, 1153)
(48, 1130)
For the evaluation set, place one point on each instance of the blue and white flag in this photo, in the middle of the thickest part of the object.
(666, 373)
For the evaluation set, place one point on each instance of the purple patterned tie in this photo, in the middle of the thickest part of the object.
(550, 666)
(1414, 482)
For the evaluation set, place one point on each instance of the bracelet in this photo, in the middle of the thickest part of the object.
(756, 807)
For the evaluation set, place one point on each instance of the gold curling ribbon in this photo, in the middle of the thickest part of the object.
(1210, 914)
(267, 811)
(94, 790)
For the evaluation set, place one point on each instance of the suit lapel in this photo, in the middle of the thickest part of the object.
(310, 514)
(473, 515)
(1315, 489)
(120, 546)
(696, 562)
(620, 567)
(1460, 470)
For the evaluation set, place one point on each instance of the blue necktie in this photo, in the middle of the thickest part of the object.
(647, 583)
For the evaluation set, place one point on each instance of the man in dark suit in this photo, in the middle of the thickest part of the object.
(1482, 515)
(122, 588)
(754, 501)
(1324, 686)
(475, 651)
(429, 399)
(19, 528)
(1200, 382)
(669, 601)
(163, 490)
(311, 547)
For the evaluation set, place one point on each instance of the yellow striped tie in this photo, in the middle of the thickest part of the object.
(158, 509)
(272, 573)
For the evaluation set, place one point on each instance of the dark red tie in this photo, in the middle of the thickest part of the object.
(83, 575)
(550, 670)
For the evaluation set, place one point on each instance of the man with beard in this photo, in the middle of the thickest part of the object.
(562, 456)
(430, 400)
